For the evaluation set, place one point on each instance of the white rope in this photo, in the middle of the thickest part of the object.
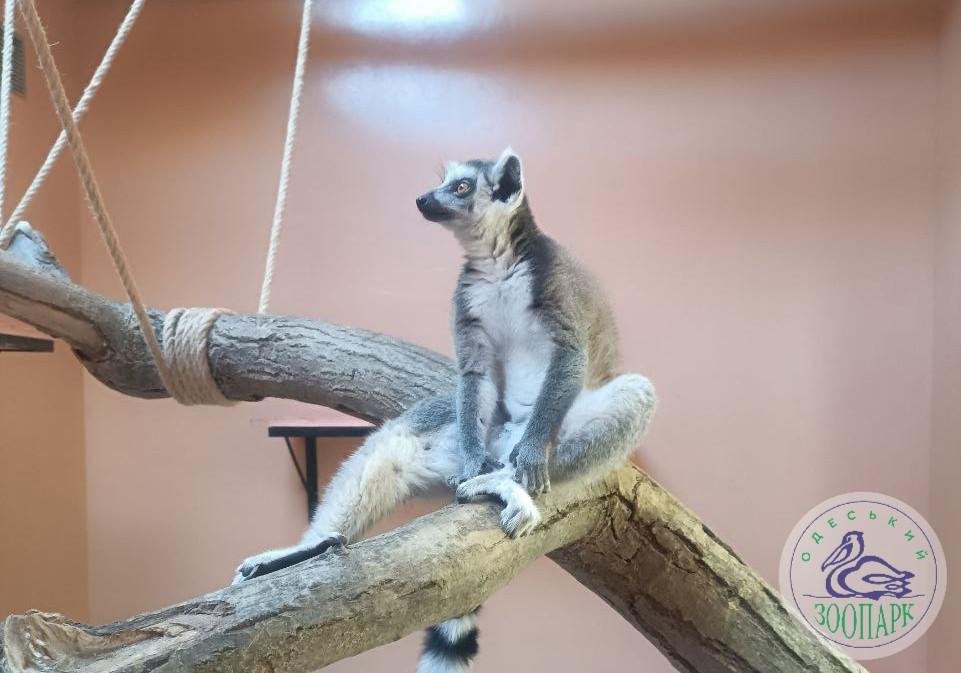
(6, 84)
(198, 320)
(186, 340)
(294, 111)
(183, 364)
(8, 231)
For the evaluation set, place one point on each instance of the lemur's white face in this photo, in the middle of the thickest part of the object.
(475, 194)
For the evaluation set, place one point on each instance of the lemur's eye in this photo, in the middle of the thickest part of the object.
(462, 187)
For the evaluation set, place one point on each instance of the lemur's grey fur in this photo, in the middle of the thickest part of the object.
(484, 204)
(538, 396)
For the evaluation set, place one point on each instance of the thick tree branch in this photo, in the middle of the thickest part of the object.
(626, 538)
(311, 615)
(363, 373)
(671, 577)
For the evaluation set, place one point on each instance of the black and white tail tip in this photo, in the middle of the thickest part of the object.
(450, 646)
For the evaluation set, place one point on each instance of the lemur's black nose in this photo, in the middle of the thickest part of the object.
(421, 202)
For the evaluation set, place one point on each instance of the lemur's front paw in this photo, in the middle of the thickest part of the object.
(478, 487)
(277, 559)
(474, 469)
(520, 517)
(531, 469)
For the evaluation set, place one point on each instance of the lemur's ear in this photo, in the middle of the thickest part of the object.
(508, 183)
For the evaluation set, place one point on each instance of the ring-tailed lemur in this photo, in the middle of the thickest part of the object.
(538, 397)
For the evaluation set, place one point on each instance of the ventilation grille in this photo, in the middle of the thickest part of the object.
(19, 67)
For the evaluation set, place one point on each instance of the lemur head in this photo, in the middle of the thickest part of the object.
(477, 199)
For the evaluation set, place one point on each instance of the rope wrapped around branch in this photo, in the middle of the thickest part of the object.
(182, 365)
(186, 336)
(181, 362)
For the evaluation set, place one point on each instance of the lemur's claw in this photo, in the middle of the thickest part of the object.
(471, 489)
(520, 518)
(534, 478)
(530, 468)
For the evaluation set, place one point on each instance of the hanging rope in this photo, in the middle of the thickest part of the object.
(182, 365)
(9, 229)
(294, 111)
(6, 85)
(183, 323)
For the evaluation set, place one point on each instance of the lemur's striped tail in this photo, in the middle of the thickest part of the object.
(450, 646)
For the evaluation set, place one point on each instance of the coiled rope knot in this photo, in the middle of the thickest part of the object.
(186, 337)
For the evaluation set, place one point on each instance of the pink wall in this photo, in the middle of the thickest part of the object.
(43, 552)
(944, 646)
(761, 208)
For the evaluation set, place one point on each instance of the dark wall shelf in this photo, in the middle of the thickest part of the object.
(14, 343)
(332, 425)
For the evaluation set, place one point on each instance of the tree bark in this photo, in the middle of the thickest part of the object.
(670, 576)
(362, 373)
(334, 606)
(625, 538)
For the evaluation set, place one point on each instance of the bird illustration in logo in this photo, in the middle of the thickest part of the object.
(854, 575)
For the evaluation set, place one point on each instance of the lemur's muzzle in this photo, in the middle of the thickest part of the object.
(431, 208)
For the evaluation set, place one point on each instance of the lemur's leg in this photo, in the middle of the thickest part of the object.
(406, 455)
(599, 432)
(602, 429)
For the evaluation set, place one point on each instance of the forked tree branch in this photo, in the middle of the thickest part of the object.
(626, 538)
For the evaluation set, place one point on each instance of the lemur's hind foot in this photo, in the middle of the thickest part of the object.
(278, 559)
(520, 515)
